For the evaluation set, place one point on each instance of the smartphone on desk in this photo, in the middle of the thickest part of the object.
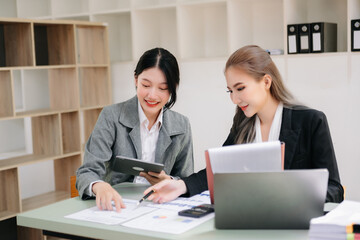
(198, 211)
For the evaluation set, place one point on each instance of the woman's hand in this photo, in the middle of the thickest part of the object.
(154, 178)
(166, 190)
(105, 194)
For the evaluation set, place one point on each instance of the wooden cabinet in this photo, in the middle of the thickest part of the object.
(54, 81)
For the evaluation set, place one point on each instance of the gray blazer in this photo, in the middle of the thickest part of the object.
(117, 132)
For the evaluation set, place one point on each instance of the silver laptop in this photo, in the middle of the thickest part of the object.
(269, 200)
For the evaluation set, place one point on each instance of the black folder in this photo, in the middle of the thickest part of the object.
(304, 38)
(324, 37)
(293, 38)
(355, 35)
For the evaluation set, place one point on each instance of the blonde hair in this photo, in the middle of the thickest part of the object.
(256, 62)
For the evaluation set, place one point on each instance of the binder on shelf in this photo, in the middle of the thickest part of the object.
(304, 38)
(324, 37)
(2, 46)
(293, 42)
(355, 35)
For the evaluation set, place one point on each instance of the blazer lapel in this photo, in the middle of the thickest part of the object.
(163, 143)
(129, 117)
(289, 136)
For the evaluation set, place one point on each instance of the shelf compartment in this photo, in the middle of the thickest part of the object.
(15, 44)
(203, 30)
(64, 168)
(39, 90)
(119, 28)
(70, 126)
(66, 7)
(33, 8)
(10, 201)
(91, 44)
(64, 89)
(97, 6)
(6, 100)
(19, 143)
(46, 135)
(251, 23)
(94, 86)
(308, 11)
(91, 117)
(159, 28)
(54, 44)
(31, 90)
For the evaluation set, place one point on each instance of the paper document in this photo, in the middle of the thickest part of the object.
(150, 216)
(167, 221)
(182, 203)
(94, 214)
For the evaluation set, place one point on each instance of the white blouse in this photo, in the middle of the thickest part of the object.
(274, 133)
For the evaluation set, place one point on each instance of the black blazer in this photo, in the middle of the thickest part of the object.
(308, 145)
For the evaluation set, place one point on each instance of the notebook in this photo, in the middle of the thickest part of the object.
(269, 200)
(266, 156)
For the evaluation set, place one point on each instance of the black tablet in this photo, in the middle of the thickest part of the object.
(134, 166)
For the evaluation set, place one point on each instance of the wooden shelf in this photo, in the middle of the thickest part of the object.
(64, 168)
(9, 184)
(91, 42)
(15, 44)
(70, 128)
(6, 106)
(54, 44)
(94, 86)
(91, 116)
(50, 72)
(30, 159)
(44, 199)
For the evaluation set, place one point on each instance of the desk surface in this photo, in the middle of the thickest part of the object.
(51, 218)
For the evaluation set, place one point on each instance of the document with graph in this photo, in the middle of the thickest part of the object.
(150, 216)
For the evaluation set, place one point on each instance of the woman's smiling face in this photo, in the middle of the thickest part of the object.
(152, 91)
(246, 92)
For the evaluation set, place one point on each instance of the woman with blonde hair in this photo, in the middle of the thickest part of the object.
(266, 111)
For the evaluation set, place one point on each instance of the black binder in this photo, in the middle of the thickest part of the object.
(304, 38)
(2, 47)
(355, 35)
(293, 38)
(324, 37)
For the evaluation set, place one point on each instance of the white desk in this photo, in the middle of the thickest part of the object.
(51, 218)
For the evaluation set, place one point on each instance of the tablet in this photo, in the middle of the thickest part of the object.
(134, 166)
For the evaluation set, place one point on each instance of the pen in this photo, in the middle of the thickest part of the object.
(146, 196)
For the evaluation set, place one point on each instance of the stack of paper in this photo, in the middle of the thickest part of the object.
(341, 223)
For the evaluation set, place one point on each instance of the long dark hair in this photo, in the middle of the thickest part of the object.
(257, 63)
(167, 63)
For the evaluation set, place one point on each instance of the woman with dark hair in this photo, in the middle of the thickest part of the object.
(142, 127)
(266, 111)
